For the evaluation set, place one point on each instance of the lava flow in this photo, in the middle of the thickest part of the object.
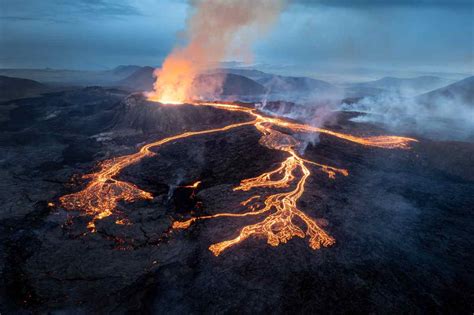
(103, 193)
(101, 196)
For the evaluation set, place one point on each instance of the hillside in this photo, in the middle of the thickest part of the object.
(232, 84)
(142, 79)
(283, 84)
(72, 77)
(407, 86)
(11, 88)
(461, 92)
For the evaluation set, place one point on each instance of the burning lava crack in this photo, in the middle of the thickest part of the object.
(100, 197)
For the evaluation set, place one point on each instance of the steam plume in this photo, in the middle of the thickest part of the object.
(446, 117)
(213, 32)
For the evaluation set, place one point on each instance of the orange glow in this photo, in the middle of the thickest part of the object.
(174, 81)
(101, 196)
(279, 226)
(213, 32)
(123, 222)
(193, 186)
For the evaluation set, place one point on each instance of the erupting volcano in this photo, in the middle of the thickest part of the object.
(100, 197)
(212, 34)
(253, 165)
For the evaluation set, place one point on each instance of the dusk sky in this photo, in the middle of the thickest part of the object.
(431, 35)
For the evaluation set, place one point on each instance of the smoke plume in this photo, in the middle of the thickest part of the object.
(215, 30)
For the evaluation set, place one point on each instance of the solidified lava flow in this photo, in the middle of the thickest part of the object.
(282, 217)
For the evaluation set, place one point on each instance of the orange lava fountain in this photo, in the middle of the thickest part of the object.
(101, 196)
(215, 29)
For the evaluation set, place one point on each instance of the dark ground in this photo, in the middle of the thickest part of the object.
(403, 220)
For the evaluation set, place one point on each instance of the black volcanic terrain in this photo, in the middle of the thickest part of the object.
(402, 219)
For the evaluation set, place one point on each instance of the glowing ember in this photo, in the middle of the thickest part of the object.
(193, 186)
(101, 196)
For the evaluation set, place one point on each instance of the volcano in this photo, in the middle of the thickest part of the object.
(402, 209)
(229, 84)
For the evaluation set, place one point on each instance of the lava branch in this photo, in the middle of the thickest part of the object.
(103, 193)
(279, 226)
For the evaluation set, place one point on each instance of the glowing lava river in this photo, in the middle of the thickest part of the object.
(283, 218)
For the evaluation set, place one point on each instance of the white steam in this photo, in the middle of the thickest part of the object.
(444, 118)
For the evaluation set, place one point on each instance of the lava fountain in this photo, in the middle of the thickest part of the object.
(213, 33)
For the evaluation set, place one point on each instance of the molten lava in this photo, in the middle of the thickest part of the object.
(101, 196)
(193, 186)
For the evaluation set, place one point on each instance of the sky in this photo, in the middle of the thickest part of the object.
(422, 35)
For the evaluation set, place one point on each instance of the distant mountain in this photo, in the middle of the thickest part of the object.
(461, 92)
(362, 91)
(407, 86)
(232, 84)
(140, 80)
(64, 77)
(282, 84)
(249, 73)
(11, 88)
(278, 85)
(125, 71)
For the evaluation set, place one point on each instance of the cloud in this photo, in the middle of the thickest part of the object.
(386, 3)
(311, 37)
(107, 7)
(60, 11)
